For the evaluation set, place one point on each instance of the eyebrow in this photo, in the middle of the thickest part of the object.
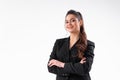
(70, 19)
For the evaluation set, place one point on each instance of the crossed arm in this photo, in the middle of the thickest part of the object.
(60, 64)
(80, 68)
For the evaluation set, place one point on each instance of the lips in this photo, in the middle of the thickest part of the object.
(69, 27)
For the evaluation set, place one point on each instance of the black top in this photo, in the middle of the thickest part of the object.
(73, 69)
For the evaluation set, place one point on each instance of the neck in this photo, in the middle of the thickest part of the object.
(74, 37)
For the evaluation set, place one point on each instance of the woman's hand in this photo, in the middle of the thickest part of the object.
(57, 63)
(83, 60)
(60, 64)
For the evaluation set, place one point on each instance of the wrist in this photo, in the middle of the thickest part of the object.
(62, 65)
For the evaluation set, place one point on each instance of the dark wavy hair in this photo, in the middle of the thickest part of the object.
(82, 43)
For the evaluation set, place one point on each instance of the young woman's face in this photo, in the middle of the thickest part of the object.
(72, 24)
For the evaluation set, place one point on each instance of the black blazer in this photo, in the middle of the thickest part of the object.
(73, 69)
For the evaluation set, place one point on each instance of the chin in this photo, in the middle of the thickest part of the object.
(70, 31)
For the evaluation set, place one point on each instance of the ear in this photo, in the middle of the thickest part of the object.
(81, 22)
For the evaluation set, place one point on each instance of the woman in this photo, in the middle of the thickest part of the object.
(72, 57)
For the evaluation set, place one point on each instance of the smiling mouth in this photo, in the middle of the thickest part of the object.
(69, 27)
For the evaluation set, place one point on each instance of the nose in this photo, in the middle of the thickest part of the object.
(69, 23)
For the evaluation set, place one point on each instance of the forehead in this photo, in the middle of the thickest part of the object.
(70, 16)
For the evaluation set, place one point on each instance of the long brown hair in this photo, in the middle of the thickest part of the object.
(82, 43)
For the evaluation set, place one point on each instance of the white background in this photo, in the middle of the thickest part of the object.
(29, 28)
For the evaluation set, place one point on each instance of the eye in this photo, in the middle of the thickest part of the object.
(73, 20)
(66, 22)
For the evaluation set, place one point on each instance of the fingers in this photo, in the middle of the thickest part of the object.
(83, 60)
(57, 63)
(51, 63)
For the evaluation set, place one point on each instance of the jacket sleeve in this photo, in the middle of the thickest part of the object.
(78, 68)
(55, 69)
(53, 56)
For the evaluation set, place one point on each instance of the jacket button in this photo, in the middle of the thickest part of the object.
(66, 78)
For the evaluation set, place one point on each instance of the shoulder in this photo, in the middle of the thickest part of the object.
(90, 49)
(61, 40)
(90, 43)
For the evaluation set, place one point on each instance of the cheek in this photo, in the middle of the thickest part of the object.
(65, 26)
(75, 24)
(77, 27)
